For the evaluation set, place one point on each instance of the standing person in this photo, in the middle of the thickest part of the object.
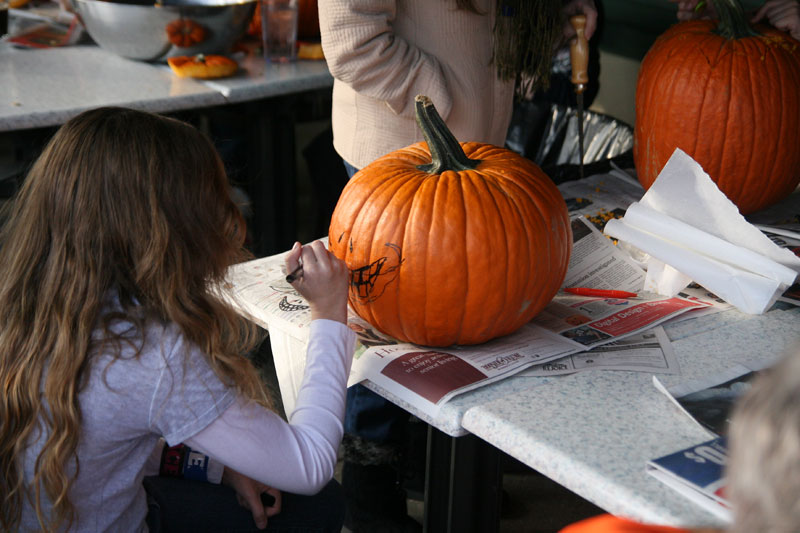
(466, 55)
(112, 336)
(469, 57)
(781, 14)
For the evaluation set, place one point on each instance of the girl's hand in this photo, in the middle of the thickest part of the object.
(579, 7)
(324, 281)
(248, 493)
(782, 14)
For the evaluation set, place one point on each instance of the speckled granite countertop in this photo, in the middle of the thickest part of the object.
(593, 432)
(48, 87)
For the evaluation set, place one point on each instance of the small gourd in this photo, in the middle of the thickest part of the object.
(185, 33)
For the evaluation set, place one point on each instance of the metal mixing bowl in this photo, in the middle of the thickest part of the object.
(139, 31)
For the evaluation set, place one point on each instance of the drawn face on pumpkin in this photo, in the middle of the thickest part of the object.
(368, 282)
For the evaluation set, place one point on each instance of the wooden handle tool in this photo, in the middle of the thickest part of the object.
(579, 57)
(579, 53)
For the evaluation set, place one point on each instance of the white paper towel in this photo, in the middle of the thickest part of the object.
(692, 231)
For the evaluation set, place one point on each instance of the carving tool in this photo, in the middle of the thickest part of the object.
(601, 293)
(579, 57)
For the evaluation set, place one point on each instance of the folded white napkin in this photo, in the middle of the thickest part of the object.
(692, 231)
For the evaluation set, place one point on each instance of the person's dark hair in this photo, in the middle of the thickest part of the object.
(120, 202)
(526, 33)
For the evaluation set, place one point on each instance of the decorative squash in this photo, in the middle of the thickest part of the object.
(185, 33)
(730, 98)
(450, 243)
(202, 66)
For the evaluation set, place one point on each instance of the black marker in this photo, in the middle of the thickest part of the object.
(295, 274)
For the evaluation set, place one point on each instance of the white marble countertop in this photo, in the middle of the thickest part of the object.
(258, 79)
(49, 86)
(450, 417)
(593, 432)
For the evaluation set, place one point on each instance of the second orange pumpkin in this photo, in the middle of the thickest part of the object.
(728, 97)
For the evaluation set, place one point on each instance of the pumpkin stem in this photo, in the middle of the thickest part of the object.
(446, 152)
(733, 22)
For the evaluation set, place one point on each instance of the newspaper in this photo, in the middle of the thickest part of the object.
(648, 351)
(601, 196)
(258, 289)
(427, 377)
(714, 304)
(709, 400)
(786, 236)
(591, 321)
(698, 473)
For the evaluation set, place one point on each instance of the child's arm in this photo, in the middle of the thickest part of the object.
(298, 456)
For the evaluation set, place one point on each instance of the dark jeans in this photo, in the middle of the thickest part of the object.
(351, 170)
(178, 506)
(374, 418)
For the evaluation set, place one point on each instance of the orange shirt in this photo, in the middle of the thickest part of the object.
(607, 523)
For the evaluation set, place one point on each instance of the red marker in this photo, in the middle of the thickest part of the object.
(601, 293)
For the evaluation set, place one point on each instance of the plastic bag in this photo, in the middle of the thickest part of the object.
(547, 133)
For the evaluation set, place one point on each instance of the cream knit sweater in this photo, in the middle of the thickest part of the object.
(382, 53)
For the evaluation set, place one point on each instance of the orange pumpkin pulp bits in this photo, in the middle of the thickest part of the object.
(202, 66)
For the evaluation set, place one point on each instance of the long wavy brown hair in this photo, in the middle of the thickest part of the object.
(119, 201)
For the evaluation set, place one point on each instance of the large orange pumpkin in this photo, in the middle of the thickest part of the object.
(731, 100)
(450, 243)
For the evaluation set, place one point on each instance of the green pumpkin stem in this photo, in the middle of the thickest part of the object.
(446, 152)
(733, 22)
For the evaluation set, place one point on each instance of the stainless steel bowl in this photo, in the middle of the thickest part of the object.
(140, 31)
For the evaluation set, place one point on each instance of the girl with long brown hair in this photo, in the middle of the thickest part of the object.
(112, 336)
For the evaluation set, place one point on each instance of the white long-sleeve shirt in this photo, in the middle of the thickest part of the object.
(249, 438)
